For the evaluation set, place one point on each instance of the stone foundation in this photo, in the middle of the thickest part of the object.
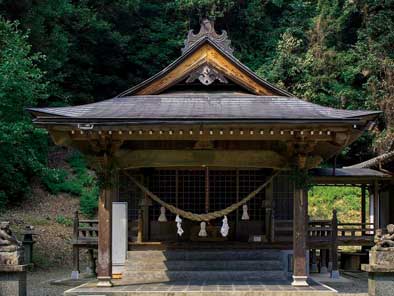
(13, 280)
(380, 273)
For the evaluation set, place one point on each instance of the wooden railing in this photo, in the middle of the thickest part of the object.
(85, 236)
(327, 232)
(85, 231)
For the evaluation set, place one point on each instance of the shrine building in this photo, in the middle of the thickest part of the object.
(206, 154)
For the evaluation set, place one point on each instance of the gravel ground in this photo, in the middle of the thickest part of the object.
(357, 287)
(39, 282)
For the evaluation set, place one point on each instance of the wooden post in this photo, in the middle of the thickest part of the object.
(363, 209)
(323, 261)
(299, 238)
(334, 246)
(376, 205)
(206, 190)
(313, 261)
(371, 208)
(75, 271)
(139, 227)
(104, 264)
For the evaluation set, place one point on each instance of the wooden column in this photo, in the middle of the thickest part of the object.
(206, 190)
(75, 271)
(334, 246)
(363, 208)
(299, 237)
(104, 266)
(376, 205)
(323, 261)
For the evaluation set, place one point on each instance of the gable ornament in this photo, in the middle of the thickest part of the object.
(207, 30)
(206, 75)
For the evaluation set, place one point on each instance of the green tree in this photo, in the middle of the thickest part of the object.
(23, 148)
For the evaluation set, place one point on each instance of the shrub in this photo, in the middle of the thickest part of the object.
(89, 200)
(66, 221)
(81, 183)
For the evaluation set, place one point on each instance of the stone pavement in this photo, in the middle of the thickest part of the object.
(205, 288)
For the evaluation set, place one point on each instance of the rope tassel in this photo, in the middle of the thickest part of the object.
(225, 228)
(178, 221)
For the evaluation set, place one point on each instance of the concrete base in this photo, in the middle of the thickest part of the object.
(104, 282)
(334, 274)
(300, 281)
(380, 284)
(13, 283)
(329, 267)
(75, 275)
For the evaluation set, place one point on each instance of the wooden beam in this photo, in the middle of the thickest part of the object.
(299, 237)
(211, 158)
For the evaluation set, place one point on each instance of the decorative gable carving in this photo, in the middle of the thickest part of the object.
(206, 75)
(207, 30)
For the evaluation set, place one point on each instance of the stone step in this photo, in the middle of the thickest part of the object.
(138, 277)
(168, 255)
(192, 265)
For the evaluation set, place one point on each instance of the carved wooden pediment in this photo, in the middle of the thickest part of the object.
(207, 75)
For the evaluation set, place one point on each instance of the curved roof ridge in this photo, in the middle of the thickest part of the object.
(374, 162)
(189, 51)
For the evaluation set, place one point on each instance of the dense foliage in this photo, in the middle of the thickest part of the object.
(346, 200)
(338, 53)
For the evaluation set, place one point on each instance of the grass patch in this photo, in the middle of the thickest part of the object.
(66, 221)
(81, 182)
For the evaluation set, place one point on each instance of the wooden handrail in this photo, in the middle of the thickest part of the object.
(333, 233)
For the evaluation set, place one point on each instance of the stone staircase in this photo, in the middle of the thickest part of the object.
(205, 265)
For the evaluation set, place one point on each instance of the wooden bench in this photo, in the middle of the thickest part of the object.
(85, 236)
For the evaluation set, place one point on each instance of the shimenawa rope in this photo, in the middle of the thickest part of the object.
(201, 217)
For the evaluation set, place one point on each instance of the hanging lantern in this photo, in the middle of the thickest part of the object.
(245, 215)
(178, 221)
(162, 217)
(225, 228)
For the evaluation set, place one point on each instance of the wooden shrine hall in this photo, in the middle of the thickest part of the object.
(205, 152)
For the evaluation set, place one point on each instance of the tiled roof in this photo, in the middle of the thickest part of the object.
(203, 106)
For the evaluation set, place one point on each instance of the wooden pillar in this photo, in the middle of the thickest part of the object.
(334, 246)
(313, 261)
(104, 266)
(206, 190)
(376, 205)
(75, 271)
(323, 261)
(363, 208)
(371, 206)
(299, 237)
